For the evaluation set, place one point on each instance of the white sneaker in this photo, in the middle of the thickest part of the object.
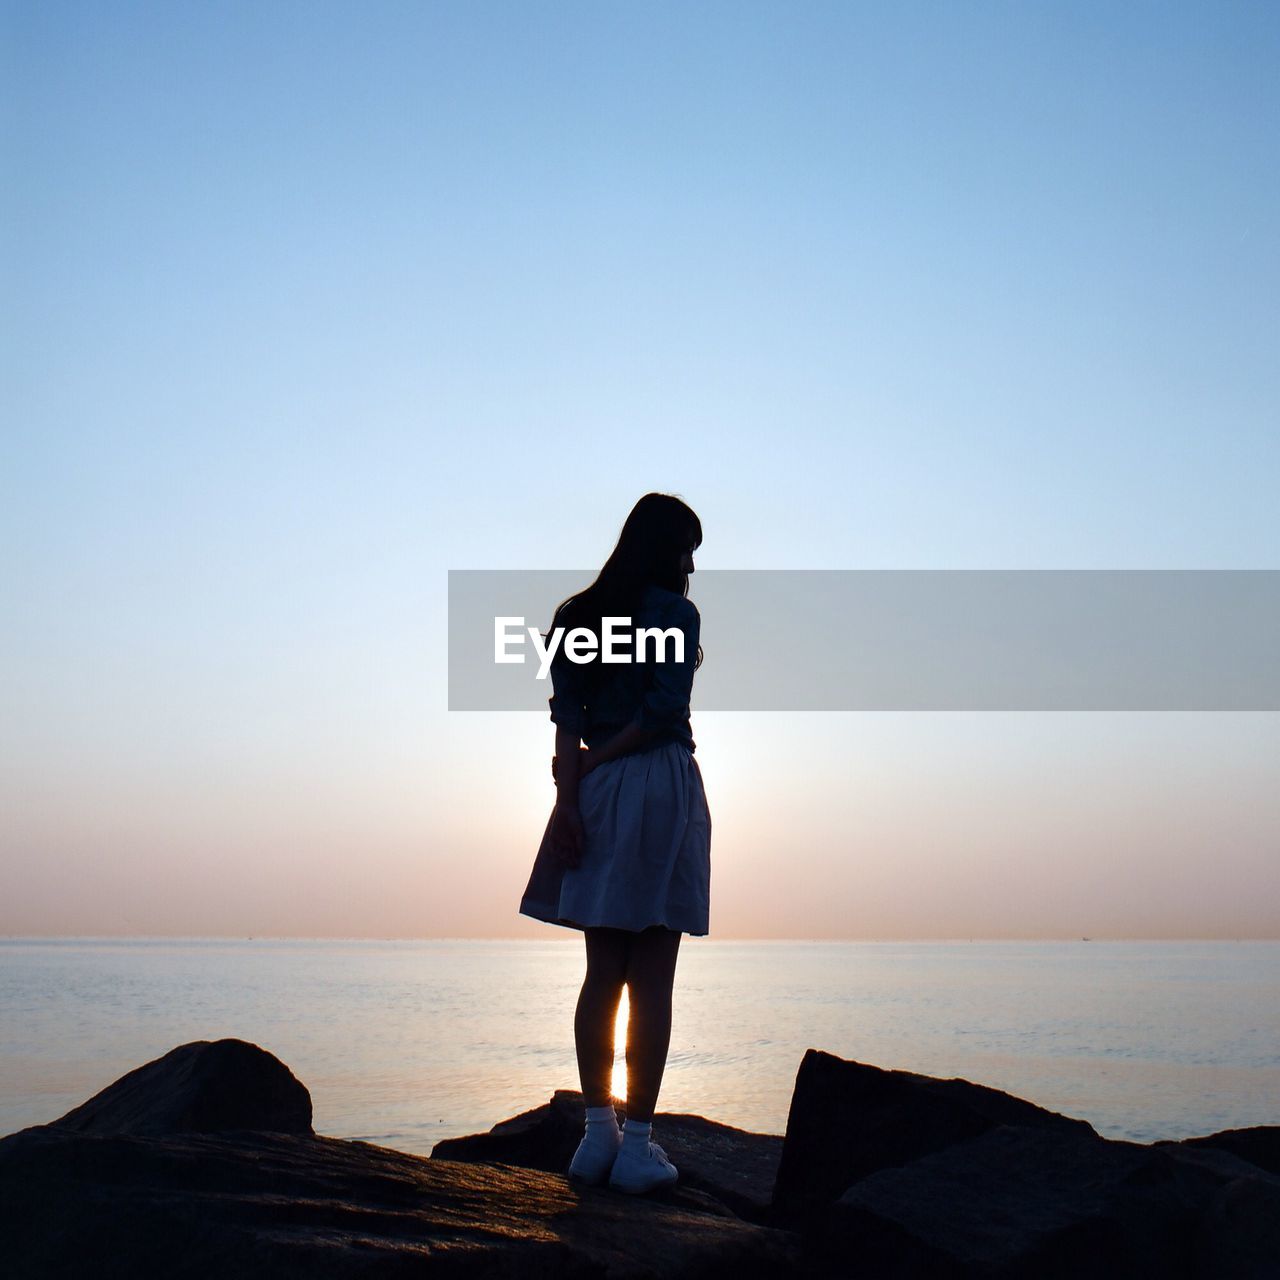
(592, 1161)
(638, 1171)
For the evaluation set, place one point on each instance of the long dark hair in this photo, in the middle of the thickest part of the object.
(657, 534)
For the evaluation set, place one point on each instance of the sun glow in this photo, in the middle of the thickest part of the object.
(619, 1081)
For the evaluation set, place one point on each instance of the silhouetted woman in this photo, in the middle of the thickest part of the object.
(626, 855)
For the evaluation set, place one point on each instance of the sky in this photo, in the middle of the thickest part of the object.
(304, 305)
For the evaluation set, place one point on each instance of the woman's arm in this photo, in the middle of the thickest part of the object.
(632, 738)
(567, 834)
(567, 766)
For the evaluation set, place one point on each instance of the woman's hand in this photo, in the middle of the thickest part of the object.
(567, 835)
(585, 763)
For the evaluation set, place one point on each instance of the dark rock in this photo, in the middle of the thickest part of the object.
(203, 1163)
(187, 1166)
(1239, 1236)
(1259, 1146)
(735, 1166)
(849, 1120)
(544, 1138)
(279, 1206)
(1028, 1204)
(207, 1086)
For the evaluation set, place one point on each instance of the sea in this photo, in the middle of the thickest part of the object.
(403, 1043)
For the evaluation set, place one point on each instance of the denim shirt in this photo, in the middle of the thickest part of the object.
(653, 695)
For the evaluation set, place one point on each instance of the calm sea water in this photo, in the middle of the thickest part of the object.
(405, 1043)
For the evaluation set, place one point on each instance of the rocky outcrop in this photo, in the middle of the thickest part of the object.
(1238, 1237)
(1043, 1204)
(899, 1175)
(734, 1166)
(849, 1120)
(1259, 1146)
(203, 1164)
(278, 1207)
(171, 1193)
(207, 1086)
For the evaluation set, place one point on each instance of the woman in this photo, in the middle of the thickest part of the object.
(626, 855)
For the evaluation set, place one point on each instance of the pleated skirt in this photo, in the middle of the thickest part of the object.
(646, 858)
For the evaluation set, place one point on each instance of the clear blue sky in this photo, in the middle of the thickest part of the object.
(304, 305)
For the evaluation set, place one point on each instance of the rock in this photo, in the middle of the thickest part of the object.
(170, 1172)
(203, 1087)
(1259, 1146)
(735, 1166)
(544, 1138)
(1239, 1236)
(203, 1163)
(849, 1120)
(1028, 1204)
(280, 1206)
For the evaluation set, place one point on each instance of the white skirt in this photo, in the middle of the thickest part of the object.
(646, 859)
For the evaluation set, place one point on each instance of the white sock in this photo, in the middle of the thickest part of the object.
(602, 1126)
(635, 1134)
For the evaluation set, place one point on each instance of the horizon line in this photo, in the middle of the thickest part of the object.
(290, 937)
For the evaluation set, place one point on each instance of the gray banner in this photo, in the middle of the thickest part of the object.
(919, 640)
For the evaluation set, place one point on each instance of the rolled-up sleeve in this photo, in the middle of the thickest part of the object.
(670, 683)
(568, 694)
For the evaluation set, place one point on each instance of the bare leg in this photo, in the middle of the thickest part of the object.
(650, 974)
(596, 1016)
